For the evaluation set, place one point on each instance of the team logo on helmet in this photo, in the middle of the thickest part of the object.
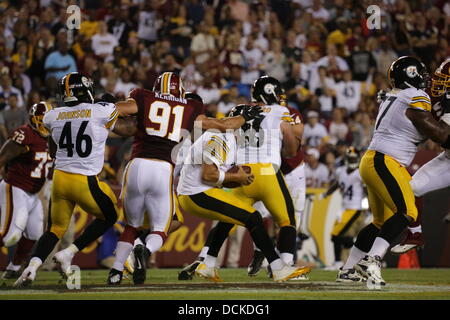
(411, 71)
(269, 88)
(86, 82)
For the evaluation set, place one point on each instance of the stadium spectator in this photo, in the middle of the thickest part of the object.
(316, 173)
(103, 43)
(315, 134)
(348, 93)
(12, 116)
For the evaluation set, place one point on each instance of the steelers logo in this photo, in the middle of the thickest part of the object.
(269, 88)
(86, 82)
(411, 71)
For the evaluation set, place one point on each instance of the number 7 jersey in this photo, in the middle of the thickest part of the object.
(80, 132)
(394, 134)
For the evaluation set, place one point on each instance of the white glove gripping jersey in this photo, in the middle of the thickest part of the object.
(211, 148)
(352, 189)
(394, 134)
(80, 132)
(263, 144)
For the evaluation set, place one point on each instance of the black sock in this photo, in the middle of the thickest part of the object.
(142, 235)
(210, 237)
(366, 237)
(393, 227)
(94, 231)
(221, 232)
(45, 245)
(337, 244)
(260, 237)
(286, 239)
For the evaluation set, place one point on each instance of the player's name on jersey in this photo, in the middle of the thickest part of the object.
(85, 113)
(169, 97)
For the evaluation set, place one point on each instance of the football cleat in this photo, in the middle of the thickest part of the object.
(114, 277)
(256, 264)
(412, 240)
(370, 267)
(141, 254)
(188, 272)
(302, 277)
(288, 272)
(27, 277)
(64, 259)
(350, 276)
(210, 274)
(10, 274)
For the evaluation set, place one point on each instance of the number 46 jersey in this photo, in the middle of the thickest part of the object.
(394, 134)
(80, 132)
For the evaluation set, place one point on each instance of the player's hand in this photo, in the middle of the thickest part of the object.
(108, 97)
(381, 96)
(251, 112)
(244, 177)
(445, 102)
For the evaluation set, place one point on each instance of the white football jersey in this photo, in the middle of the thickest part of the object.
(263, 145)
(351, 186)
(211, 148)
(317, 177)
(394, 134)
(80, 132)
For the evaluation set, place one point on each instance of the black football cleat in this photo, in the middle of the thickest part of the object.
(256, 264)
(11, 274)
(187, 273)
(114, 277)
(141, 255)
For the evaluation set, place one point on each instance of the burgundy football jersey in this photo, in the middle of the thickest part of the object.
(161, 120)
(28, 171)
(287, 165)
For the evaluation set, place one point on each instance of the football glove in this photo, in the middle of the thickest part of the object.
(250, 113)
(108, 97)
(445, 102)
(381, 96)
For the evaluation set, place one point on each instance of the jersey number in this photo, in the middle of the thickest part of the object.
(65, 141)
(161, 113)
(348, 193)
(42, 157)
(391, 101)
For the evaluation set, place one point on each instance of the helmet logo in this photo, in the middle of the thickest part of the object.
(269, 88)
(411, 71)
(86, 82)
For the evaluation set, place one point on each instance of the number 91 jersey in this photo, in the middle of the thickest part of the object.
(80, 132)
(161, 120)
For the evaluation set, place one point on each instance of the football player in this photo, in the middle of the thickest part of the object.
(24, 162)
(164, 116)
(403, 121)
(200, 193)
(349, 181)
(78, 133)
(435, 174)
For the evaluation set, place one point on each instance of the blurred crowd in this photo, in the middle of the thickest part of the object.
(331, 64)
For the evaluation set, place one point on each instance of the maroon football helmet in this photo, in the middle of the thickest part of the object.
(440, 81)
(169, 83)
(36, 114)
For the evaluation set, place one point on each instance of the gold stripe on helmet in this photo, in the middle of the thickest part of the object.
(66, 84)
(165, 83)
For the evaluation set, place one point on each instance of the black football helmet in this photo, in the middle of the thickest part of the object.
(76, 88)
(408, 72)
(352, 158)
(267, 90)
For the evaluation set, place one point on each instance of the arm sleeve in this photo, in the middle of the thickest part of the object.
(112, 116)
(216, 151)
(420, 100)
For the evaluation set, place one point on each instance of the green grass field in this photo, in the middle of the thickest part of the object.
(163, 284)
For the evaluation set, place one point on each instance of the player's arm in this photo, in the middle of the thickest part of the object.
(9, 151)
(127, 107)
(291, 143)
(206, 123)
(427, 125)
(212, 175)
(334, 186)
(52, 147)
(125, 127)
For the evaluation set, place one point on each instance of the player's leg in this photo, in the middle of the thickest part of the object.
(433, 175)
(133, 200)
(258, 257)
(59, 220)
(220, 205)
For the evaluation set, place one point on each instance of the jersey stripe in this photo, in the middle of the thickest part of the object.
(112, 119)
(423, 105)
(421, 98)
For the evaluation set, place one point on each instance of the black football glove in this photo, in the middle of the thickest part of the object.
(108, 97)
(250, 113)
(381, 96)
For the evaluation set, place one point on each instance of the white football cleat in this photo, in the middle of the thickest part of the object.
(350, 276)
(64, 259)
(211, 274)
(370, 267)
(29, 274)
(288, 272)
(302, 277)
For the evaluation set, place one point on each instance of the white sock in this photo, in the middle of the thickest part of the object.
(123, 250)
(13, 267)
(353, 258)
(153, 242)
(203, 252)
(287, 258)
(277, 264)
(416, 229)
(210, 261)
(72, 249)
(379, 247)
(138, 241)
(35, 262)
